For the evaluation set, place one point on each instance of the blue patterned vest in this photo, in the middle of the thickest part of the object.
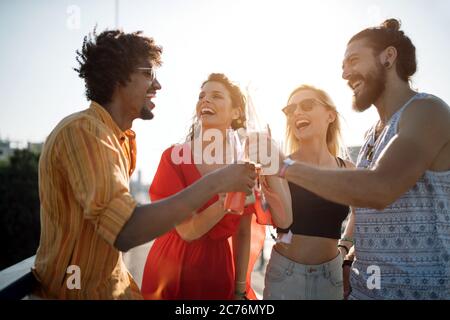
(409, 241)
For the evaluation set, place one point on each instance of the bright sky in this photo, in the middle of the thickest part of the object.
(271, 45)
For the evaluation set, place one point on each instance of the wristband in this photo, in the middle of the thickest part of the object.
(347, 239)
(286, 164)
(240, 293)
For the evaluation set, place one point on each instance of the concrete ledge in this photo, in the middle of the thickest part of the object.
(15, 272)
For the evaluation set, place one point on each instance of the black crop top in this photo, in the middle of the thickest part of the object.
(315, 216)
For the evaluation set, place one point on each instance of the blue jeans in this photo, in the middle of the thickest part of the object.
(288, 280)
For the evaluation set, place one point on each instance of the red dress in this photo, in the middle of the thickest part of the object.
(201, 269)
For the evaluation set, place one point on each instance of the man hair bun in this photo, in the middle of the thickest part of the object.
(391, 24)
(389, 34)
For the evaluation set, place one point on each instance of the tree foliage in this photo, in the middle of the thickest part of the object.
(19, 207)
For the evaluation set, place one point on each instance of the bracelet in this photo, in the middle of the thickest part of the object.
(240, 293)
(347, 239)
(286, 164)
(347, 263)
(345, 247)
(282, 172)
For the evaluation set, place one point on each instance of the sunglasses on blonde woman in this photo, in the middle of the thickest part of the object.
(305, 105)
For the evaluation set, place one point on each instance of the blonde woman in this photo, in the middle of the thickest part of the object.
(306, 262)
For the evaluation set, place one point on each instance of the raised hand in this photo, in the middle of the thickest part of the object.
(262, 149)
(236, 178)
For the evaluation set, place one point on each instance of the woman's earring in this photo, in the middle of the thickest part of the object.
(236, 123)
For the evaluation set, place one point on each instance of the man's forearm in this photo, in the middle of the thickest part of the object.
(150, 221)
(354, 187)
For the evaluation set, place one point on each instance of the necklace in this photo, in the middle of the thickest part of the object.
(373, 140)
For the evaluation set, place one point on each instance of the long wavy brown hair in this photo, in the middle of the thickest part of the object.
(237, 101)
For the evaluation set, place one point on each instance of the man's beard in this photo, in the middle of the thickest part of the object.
(373, 87)
(146, 114)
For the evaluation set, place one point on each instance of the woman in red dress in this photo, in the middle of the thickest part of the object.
(211, 254)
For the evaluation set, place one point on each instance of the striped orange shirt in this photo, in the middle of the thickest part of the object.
(84, 173)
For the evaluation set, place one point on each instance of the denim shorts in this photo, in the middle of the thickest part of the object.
(288, 280)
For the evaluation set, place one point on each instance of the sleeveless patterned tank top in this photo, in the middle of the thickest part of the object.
(408, 243)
